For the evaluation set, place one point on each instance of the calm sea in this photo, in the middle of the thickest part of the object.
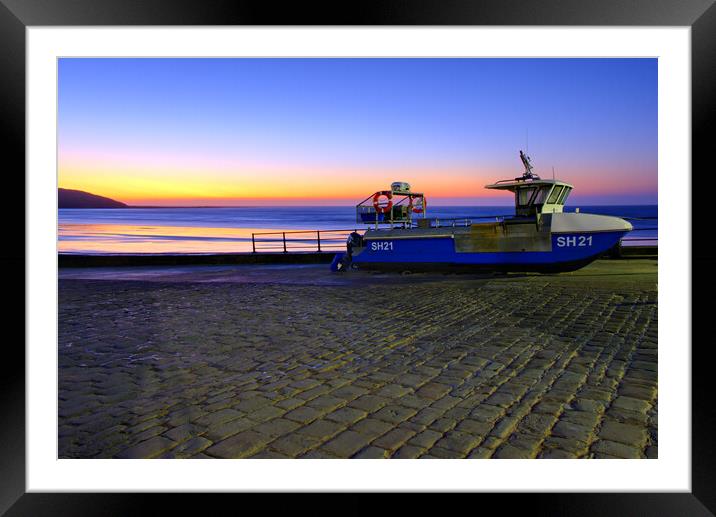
(221, 230)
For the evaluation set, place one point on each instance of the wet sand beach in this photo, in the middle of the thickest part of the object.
(297, 362)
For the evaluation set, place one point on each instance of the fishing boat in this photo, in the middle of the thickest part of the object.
(540, 236)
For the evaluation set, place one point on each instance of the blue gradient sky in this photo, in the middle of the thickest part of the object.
(232, 131)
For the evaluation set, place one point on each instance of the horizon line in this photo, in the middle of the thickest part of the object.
(336, 206)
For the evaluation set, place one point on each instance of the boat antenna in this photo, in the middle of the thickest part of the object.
(528, 174)
(552, 172)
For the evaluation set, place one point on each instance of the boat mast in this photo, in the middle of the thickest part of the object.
(528, 174)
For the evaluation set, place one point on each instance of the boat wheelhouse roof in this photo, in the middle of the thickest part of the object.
(520, 182)
(534, 195)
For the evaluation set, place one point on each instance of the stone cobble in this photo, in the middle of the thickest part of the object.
(508, 367)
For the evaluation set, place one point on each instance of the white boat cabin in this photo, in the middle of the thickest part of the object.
(535, 196)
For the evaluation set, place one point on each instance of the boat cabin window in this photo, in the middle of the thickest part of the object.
(531, 196)
(540, 196)
(564, 195)
(523, 196)
(529, 200)
(555, 195)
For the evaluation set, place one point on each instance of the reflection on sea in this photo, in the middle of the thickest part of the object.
(227, 230)
(124, 238)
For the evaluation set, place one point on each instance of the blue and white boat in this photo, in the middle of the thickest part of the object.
(539, 237)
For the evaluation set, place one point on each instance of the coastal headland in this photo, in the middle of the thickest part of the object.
(291, 361)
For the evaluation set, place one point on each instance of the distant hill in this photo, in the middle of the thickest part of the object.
(67, 198)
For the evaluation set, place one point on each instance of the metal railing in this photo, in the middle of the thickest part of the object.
(335, 240)
(322, 240)
(636, 239)
(448, 223)
(646, 240)
(300, 241)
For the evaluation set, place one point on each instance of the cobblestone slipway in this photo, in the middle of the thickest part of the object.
(533, 366)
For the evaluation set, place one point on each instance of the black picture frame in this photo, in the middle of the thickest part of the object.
(17, 15)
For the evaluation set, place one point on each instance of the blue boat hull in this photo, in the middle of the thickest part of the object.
(569, 252)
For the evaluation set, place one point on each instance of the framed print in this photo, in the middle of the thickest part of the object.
(149, 132)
